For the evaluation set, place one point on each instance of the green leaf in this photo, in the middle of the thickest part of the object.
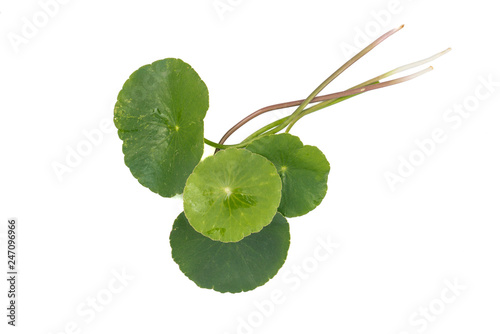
(232, 194)
(233, 266)
(159, 115)
(303, 171)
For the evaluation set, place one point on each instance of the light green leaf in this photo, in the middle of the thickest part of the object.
(232, 194)
(233, 266)
(303, 171)
(159, 115)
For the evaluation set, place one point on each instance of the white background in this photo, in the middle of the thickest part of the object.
(397, 248)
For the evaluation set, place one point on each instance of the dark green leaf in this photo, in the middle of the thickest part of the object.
(233, 266)
(303, 171)
(159, 115)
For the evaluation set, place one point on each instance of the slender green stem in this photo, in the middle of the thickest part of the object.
(342, 69)
(255, 114)
(324, 104)
(219, 146)
(325, 100)
(260, 112)
(264, 110)
(303, 103)
(269, 129)
(332, 99)
(378, 78)
(401, 69)
(359, 90)
(265, 129)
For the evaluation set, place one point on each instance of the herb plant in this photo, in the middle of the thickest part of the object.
(233, 235)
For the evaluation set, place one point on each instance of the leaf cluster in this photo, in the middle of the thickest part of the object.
(233, 235)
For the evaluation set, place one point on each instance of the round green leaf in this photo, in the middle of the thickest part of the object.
(232, 194)
(159, 115)
(232, 266)
(303, 171)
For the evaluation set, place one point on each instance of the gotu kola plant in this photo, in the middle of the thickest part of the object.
(233, 235)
